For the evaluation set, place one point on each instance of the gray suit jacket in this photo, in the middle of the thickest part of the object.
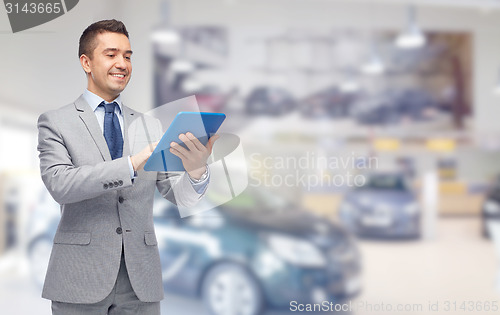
(102, 208)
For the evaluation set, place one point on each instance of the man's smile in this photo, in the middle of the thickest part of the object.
(120, 76)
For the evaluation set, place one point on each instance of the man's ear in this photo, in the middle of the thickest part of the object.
(85, 62)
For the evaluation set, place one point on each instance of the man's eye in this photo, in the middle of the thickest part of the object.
(110, 55)
(128, 58)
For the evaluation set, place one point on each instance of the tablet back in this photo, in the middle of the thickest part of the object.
(201, 125)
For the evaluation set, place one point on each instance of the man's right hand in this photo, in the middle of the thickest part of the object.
(142, 157)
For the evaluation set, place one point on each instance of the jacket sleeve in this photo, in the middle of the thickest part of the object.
(68, 183)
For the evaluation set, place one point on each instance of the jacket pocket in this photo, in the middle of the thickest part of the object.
(150, 238)
(72, 238)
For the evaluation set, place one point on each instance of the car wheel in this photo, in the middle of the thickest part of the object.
(230, 289)
(39, 255)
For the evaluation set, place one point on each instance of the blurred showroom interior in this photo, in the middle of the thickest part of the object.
(403, 94)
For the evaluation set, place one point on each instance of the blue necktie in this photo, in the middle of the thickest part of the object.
(112, 131)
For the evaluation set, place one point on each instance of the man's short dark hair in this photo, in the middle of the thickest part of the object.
(88, 39)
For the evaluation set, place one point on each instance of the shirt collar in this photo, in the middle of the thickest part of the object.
(94, 100)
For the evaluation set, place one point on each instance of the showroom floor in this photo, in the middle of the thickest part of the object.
(400, 277)
(458, 266)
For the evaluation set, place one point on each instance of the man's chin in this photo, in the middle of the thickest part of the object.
(118, 89)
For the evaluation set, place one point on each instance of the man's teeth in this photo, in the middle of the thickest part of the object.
(119, 75)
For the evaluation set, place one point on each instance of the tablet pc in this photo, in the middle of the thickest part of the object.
(201, 125)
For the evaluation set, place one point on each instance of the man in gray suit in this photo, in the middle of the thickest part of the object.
(105, 256)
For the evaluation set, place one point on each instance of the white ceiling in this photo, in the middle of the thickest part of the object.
(479, 4)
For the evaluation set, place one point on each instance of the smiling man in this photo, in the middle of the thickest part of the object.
(105, 256)
(107, 59)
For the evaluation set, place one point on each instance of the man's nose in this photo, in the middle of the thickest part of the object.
(120, 63)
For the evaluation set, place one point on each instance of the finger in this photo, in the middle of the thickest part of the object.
(187, 142)
(177, 147)
(177, 153)
(211, 142)
(195, 141)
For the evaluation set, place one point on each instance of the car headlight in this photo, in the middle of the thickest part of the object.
(411, 208)
(491, 207)
(296, 251)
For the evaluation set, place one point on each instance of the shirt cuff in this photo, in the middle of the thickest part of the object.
(200, 185)
(133, 173)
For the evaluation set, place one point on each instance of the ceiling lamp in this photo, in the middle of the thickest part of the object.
(349, 86)
(374, 65)
(182, 66)
(191, 85)
(412, 37)
(349, 83)
(165, 36)
(164, 33)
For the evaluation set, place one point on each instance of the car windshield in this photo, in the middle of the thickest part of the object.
(385, 182)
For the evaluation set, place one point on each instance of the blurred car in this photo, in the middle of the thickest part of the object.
(272, 251)
(394, 107)
(490, 209)
(252, 253)
(40, 231)
(331, 102)
(383, 207)
(381, 115)
(269, 101)
(375, 109)
(211, 99)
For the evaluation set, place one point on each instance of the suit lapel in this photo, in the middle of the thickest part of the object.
(90, 121)
(128, 117)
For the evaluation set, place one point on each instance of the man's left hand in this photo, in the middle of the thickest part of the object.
(194, 158)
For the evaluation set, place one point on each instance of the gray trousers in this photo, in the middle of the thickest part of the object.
(121, 301)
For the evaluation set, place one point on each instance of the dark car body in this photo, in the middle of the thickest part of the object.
(331, 102)
(275, 251)
(383, 207)
(394, 107)
(269, 101)
(240, 233)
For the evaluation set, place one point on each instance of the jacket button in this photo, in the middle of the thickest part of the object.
(116, 184)
(120, 199)
(120, 182)
(119, 230)
(105, 186)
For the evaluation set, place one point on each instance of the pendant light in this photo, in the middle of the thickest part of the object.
(412, 37)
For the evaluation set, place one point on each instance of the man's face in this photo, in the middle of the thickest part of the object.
(110, 66)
